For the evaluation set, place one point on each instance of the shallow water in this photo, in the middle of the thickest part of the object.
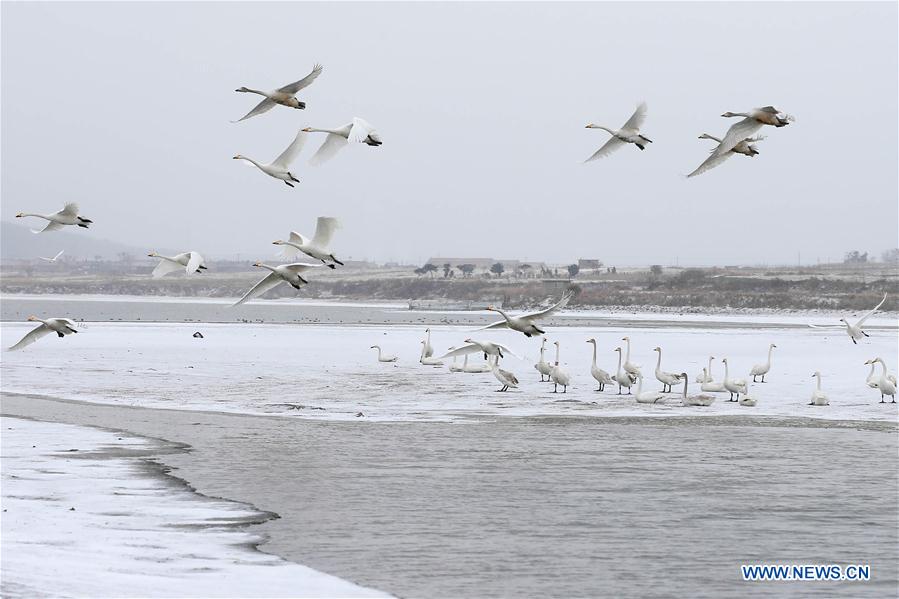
(548, 507)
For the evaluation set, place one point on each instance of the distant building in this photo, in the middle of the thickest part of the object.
(484, 264)
(589, 264)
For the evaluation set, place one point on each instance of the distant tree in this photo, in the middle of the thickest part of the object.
(429, 268)
(890, 256)
(524, 270)
(498, 269)
(573, 269)
(655, 269)
(466, 269)
(855, 257)
(419, 271)
(614, 270)
(447, 268)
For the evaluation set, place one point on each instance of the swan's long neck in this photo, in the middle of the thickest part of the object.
(770, 349)
(557, 354)
(43, 216)
(882, 365)
(594, 354)
(639, 384)
(627, 358)
(619, 363)
(712, 137)
(726, 372)
(818, 376)
(504, 315)
(334, 131)
(612, 131)
(251, 161)
(710, 366)
(254, 91)
(870, 374)
(659, 361)
(272, 268)
(685, 386)
(169, 258)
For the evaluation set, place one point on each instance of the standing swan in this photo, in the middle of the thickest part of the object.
(695, 400)
(506, 378)
(628, 134)
(382, 357)
(734, 386)
(359, 131)
(526, 323)
(319, 247)
(285, 96)
(886, 384)
(285, 273)
(67, 216)
(744, 147)
(559, 376)
(60, 326)
(666, 378)
(428, 349)
(544, 367)
(602, 377)
(762, 369)
(279, 168)
(706, 376)
(819, 398)
(624, 379)
(629, 367)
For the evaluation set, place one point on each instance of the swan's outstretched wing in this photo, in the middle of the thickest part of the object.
(362, 130)
(300, 267)
(610, 146)
(868, 315)
(54, 258)
(507, 351)
(636, 121)
(291, 152)
(292, 88)
(166, 267)
(711, 162)
(263, 106)
(50, 226)
(270, 281)
(499, 324)
(549, 311)
(70, 209)
(31, 337)
(324, 231)
(288, 252)
(194, 262)
(333, 143)
(737, 133)
(461, 351)
(825, 326)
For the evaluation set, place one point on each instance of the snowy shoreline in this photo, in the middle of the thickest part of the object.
(97, 512)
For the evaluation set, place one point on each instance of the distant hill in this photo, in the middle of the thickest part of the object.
(17, 242)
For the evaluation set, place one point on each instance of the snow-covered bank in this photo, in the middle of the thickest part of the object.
(87, 513)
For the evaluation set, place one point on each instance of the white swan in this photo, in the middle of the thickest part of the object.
(711, 386)
(54, 258)
(819, 398)
(754, 120)
(629, 367)
(886, 384)
(488, 348)
(734, 386)
(874, 378)
(744, 147)
(544, 367)
(428, 360)
(474, 368)
(285, 273)
(359, 131)
(279, 168)
(382, 357)
(319, 247)
(602, 377)
(762, 369)
(706, 376)
(666, 378)
(57, 220)
(855, 331)
(526, 323)
(624, 379)
(628, 134)
(60, 326)
(428, 349)
(558, 375)
(189, 262)
(695, 400)
(506, 378)
(646, 396)
(285, 96)
(746, 401)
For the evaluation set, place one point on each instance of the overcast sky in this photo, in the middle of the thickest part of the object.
(125, 109)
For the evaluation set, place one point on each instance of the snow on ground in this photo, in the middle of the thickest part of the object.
(329, 372)
(86, 515)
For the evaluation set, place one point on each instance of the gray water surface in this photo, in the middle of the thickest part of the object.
(545, 507)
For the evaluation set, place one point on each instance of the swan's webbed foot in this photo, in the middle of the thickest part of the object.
(336, 260)
(640, 146)
(865, 334)
(288, 183)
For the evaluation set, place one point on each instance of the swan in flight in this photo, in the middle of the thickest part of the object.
(190, 262)
(506, 378)
(753, 120)
(886, 384)
(382, 357)
(762, 369)
(279, 168)
(744, 147)
(285, 273)
(319, 247)
(544, 367)
(285, 96)
(357, 131)
(622, 377)
(54, 258)
(706, 376)
(646, 396)
(602, 377)
(733, 386)
(855, 331)
(695, 400)
(819, 398)
(666, 378)
(67, 216)
(629, 367)
(426, 359)
(628, 134)
(526, 323)
(486, 347)
(559, 376)
(60, 326)
(474, 368)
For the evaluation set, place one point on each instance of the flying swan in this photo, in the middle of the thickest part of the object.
(628, 134)
(278, 168)
(526, 323)
(285, 273)
(54, 258)
(744, 147)
(358, 131)
(319, 247)
(191, 262)
(754, 120)
(60, 326)
(285, 96)
(67, 216)
(855, 331)
(486, 347)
